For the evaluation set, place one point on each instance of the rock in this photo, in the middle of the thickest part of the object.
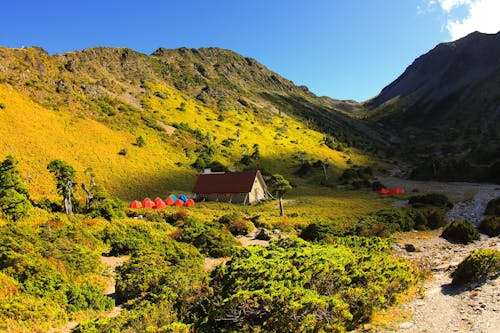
(406, 325)
(410, 248)
(263, 235)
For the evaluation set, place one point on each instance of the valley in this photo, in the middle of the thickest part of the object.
(84, 133)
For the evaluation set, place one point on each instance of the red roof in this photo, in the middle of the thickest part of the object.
(228, 182)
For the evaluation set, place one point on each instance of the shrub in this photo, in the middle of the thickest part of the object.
(490, 226)
(139, 141)
(435, 218)
(461, 231)
(241, 227)
(2, 106)
(432, 199)
(322, 231)
(493, 207)
(209, 238)
(478, 265)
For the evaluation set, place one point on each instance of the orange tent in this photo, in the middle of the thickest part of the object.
(179, 203)
(159, 203)
(383, 191)
(148, 203)
(189, 203)
(170, 199)
(135, 204)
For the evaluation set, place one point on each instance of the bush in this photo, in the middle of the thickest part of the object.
(490, 226)
(435, 218)
(478, 265)
(460, 231)
(322, 231)
(241, 227)
(493, 207)
(209, 238)
(432, 199)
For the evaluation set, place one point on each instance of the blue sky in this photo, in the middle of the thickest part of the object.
(342, 49)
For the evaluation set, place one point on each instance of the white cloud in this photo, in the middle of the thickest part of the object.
(481, 15)
(448, 5)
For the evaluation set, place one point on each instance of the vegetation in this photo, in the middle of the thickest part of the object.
(460, 231)
(280, 186)
(320, 287)
(478, 265)
(432, 199)
(490, 226)
(14, 198)
(493, 207)
(64, 175)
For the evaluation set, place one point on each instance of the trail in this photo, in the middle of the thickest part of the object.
(446, 308)
(112, 263)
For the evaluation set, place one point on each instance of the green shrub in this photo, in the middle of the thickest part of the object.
(460, 231)
(295, 286)
(2, 106)
(435, 218)
(210, 238)
(493, 207)
(432, 199)
(322, 231)
(478, 265)
(490, 226)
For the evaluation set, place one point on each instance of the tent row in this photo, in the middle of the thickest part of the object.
(396, 190)
(159, 203)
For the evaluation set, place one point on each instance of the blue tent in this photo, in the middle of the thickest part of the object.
(183, 197)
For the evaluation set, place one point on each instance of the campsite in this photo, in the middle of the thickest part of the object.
(165, 168)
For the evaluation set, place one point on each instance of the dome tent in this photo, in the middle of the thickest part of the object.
(189, 203)
(135, 204)
(171, 199)
(148, 203)
(178, 203)
(159, 203)
(183, 197)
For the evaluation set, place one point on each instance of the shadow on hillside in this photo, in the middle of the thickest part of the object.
(161, 183)
(153, 184)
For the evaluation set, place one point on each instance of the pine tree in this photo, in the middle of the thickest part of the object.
(65, 182)
(14, 197)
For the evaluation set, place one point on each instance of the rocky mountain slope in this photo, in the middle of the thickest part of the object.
(446, 104)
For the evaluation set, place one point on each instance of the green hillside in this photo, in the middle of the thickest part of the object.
(188, 106)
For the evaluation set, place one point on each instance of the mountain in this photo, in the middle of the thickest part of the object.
(192, 107)
(446, 105)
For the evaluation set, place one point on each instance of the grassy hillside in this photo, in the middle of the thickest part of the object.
(36, 135)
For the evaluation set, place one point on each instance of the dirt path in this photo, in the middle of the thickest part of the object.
(445, 308)
(111, 263)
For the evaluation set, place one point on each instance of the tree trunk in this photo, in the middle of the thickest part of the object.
(282, 209)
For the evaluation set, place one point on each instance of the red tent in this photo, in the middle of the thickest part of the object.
(135, 204)
(148, 203)
(170, 199)
(179, 203)
(159, 203)
(399, 190)
(392, 191)
(189, 203)
(383, 191)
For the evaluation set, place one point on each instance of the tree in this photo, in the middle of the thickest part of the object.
(140, 142)
(14, 197)
(280, 186)
(65, 182)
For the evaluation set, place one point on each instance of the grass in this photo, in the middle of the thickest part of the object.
(302, 206)
(37, 135)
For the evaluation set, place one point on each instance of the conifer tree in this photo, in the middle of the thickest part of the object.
(14, 197)
(65, 182)
(280, 186)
